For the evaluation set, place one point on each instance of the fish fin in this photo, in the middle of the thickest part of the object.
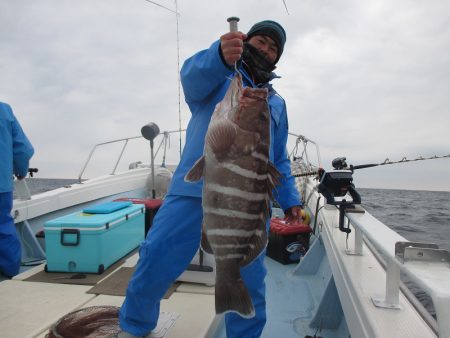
(259, 243)
(273, 179)
(274, 174)
(196, 172)
(220, 136)
(231, 293)
(205, 245)
(266, 209)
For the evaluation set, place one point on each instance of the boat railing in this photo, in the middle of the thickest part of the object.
(425, 265)
(164, 142)
(125, 142)
(301, 151)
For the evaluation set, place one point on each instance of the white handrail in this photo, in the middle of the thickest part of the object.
(101, 144)
(426, 266)
(165, 135)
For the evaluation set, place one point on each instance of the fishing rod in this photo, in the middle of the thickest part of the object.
(339, 164)
(337, 185)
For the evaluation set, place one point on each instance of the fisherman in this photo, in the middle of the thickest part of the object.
(175, 234)
(15, 153)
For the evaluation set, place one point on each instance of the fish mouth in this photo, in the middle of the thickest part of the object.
(236, 93)
(243, 97)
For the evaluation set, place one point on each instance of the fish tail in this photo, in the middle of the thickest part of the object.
(232, 294)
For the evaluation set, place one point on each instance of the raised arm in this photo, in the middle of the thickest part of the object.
(206, 71)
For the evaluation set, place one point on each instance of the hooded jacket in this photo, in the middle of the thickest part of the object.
(15, 149)
(205, 79)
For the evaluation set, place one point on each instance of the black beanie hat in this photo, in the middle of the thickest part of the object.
(271, 29)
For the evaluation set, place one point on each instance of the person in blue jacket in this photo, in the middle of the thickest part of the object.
(15, 153)
(175, 234)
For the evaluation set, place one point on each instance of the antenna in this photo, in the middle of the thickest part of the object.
(179, 79)
(159, 5)
(285, 6)
(178, 61)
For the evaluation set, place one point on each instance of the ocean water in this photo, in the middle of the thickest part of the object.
(39, 185)
(419, 216)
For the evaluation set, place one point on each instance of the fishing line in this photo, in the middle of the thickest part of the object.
(348, 234)
(316, 215)
(233, 20)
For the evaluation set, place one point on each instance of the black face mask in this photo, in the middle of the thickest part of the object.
(259, 67)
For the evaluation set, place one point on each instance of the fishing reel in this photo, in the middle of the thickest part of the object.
(32, 171)
(336, 186)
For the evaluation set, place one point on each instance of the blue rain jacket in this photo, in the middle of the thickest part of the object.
(205, 79)
(15, 149)
(174, 238)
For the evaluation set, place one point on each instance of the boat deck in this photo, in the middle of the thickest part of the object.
(28, 309)
(301, 300)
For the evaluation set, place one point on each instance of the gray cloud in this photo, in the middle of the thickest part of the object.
(366, 80)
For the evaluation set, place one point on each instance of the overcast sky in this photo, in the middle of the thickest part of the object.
(367, 80)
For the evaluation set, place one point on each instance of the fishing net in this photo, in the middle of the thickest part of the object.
(90, 322)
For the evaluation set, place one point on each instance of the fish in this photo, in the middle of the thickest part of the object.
(238, 184)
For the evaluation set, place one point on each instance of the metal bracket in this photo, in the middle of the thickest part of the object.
(407, 252)
(382, 303)
(422, 252)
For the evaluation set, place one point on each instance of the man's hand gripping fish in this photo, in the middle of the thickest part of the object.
(237, 188)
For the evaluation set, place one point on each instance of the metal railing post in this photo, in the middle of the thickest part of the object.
(166, 133)
(120, 157)
(86, 163)
(358, 243)
(391, 297)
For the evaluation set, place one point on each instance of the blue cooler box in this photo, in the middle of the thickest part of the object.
(95, 238)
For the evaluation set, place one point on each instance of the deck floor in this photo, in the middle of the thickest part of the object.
(28, 309)
(290, 305)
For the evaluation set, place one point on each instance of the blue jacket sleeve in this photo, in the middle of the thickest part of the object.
(286, 194)
(22, 149)
(203, 73)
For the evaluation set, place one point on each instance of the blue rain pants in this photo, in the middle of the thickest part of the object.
(171, 243)
(10, 249)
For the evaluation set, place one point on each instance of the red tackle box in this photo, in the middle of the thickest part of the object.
(152, 206)
(288, 242)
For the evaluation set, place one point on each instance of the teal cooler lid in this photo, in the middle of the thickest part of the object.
(107, 208)
(92, 221)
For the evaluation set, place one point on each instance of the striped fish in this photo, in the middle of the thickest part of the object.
(237, 188)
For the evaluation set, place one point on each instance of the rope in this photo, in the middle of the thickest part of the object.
(311, 173)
